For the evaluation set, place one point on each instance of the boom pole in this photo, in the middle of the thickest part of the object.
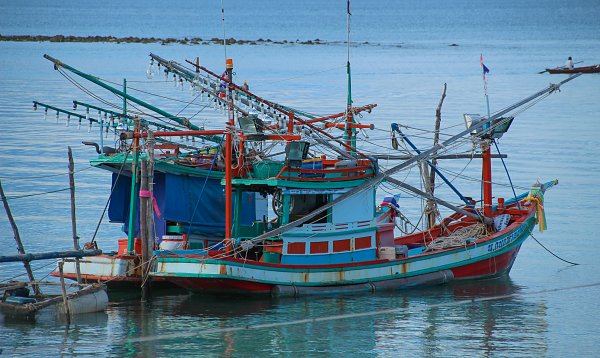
(183, 121)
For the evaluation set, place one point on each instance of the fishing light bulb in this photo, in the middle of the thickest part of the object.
(68, 120)
(34, 106)
(56, 116)
(149, 72)
(79, 124)
(166, 75)
(90, 127)
(46, 114)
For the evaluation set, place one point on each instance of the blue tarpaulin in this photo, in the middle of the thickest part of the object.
(182, 199)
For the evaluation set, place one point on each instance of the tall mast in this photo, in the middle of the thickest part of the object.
(228, 159)
(486, 169)
(350, 131)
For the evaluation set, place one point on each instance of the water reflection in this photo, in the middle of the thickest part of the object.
(434, 321)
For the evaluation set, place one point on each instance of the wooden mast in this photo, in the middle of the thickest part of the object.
(228, 158)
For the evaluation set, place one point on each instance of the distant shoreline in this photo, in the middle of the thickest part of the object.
(145, 40)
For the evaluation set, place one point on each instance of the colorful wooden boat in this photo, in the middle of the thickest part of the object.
(329, 236)
(585, 69)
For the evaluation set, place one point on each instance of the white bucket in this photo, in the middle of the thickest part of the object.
(171, 242)
(387, 253)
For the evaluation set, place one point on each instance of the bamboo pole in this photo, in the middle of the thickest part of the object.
(64, 291)
(73, 217)
(49, 255)
(20, 247)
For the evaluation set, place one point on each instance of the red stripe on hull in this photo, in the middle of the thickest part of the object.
(491, 267)
(220, 285)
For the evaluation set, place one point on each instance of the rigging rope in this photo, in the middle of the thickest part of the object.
(109, 197)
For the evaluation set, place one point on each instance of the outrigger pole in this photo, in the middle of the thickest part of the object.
(174, 66)
(122, 115)
(183, 121)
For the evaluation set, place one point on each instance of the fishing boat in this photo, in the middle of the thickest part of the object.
(585, 69)
(329, 235)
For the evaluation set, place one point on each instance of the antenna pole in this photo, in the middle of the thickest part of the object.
(223, 22)
(350, 131)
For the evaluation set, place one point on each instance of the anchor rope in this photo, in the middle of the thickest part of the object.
(110, 195)
(552, 253)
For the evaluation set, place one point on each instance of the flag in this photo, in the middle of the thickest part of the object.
(485, 70)
(483, 67)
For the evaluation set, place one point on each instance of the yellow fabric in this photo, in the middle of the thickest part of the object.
(536, 195)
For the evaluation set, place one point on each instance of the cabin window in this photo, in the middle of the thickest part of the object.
(362, 242)
(303, 204)
(319, 247)
(341, 245)
(296, 248)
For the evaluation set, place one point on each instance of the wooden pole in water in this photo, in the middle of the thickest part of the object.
(73, 217)
(143, 226)
(64, 291)
(20, 247)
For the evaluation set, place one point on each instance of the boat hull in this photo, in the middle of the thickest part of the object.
(586, 69)
(116, 271)
(490, 258)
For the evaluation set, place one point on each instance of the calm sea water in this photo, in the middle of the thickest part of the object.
(402, 69)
